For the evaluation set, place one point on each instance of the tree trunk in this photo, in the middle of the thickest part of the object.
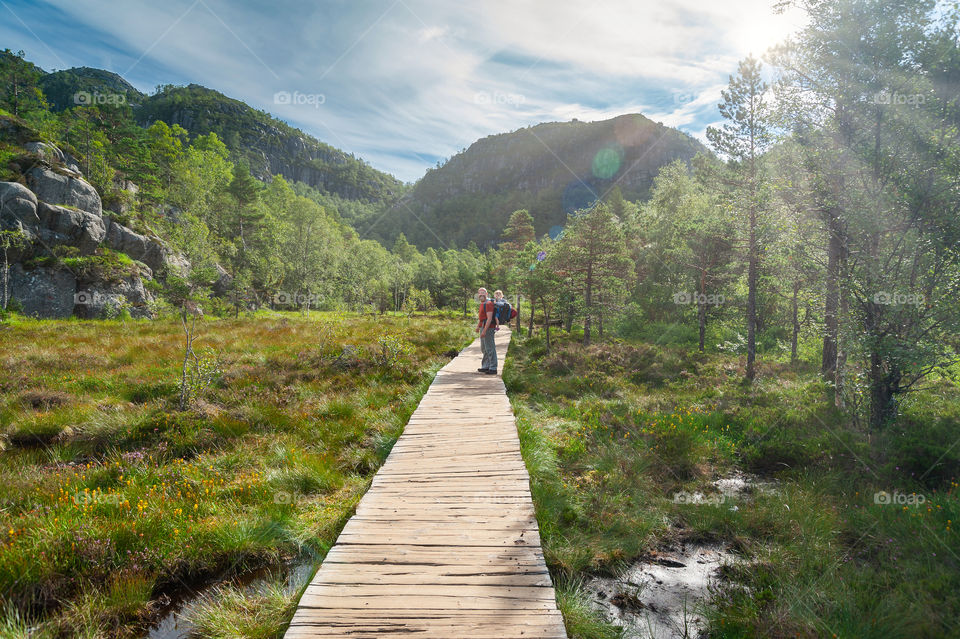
(702, 321)
(530, 321)
(588, 303)
(831, 306)
(6, 279)
(884, 385)
(795, 309)
(702, 310)
(16, 95)
(752, 297)
(838, 373)
(600, 315)
(546, 323)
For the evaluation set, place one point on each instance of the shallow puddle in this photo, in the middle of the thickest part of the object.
(175, 621)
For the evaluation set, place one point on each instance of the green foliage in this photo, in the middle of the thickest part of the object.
(240, 127)
(814, 547)
(20, 93)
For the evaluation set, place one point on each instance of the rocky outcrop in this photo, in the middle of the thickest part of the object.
(56, 188)
(18, 208)
(149, 250)
(224, 280)
(51, 153)
(72, 226)
(98, 298)
(15, 130)
(58, 292)
(43, 292)
(53, 290)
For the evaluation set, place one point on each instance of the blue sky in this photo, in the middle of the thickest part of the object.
(405, 83)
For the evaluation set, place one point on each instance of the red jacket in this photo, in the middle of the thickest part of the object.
(486, 307)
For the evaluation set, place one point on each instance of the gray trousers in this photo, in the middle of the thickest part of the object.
(489, 350)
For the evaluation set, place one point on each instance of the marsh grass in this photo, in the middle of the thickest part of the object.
(230, 611)
(613, 433)
(113, 498)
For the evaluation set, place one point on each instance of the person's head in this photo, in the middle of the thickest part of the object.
(498, 294)
(482, 294)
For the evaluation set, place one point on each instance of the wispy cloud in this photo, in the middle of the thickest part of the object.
(405, 82)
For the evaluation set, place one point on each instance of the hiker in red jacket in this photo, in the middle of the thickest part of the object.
(486, 326)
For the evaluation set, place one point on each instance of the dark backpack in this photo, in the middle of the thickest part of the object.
(502, 311)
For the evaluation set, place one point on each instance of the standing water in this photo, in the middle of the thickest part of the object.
(175, 623)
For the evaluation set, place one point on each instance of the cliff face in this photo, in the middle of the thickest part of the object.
(550, 169)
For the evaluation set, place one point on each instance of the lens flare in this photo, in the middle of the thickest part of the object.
(606, 162)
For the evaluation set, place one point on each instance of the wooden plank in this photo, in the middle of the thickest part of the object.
(445, 543)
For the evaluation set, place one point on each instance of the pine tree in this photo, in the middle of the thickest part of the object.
(19, 88)
(743, 139)
(245, 189)
(593, 256)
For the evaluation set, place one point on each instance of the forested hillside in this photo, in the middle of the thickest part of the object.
(268, 145)
(549, 169)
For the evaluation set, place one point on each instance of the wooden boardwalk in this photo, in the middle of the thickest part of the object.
(445, 543)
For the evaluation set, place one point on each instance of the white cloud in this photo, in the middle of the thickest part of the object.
(429, 76)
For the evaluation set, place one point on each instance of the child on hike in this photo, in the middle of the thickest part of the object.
(497, 299)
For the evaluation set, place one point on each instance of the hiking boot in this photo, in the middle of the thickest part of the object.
(490, 372)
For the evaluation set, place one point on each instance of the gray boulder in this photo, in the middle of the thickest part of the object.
(149, 250)
(103, 298)
(56, 188)
(224, 280)
(52, 292)
(43, 292)
(123, 197)
(18, 206)
(79, 228)
(51, 153)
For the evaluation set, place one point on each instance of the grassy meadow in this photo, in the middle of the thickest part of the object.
(114, 500)
(856, 541)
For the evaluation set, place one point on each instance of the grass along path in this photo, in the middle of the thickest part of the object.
(857, 540)
(112, 498)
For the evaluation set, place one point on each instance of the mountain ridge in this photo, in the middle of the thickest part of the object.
(269, 145)
(551, 169)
